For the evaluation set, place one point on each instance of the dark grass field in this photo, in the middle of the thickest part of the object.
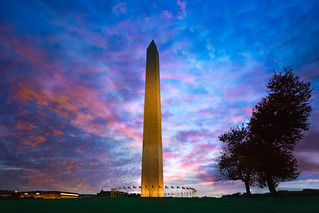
(166, 205)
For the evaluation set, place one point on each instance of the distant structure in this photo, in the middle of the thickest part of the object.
(37, 194)
(152, 162)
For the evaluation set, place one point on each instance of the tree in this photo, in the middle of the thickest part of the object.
(234, 162)
(278, 122)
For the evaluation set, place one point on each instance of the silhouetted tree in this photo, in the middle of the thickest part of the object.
(234, 163)
(277, 123)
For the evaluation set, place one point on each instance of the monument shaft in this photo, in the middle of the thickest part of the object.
(152, 159)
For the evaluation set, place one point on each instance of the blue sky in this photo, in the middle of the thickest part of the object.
(72, 87)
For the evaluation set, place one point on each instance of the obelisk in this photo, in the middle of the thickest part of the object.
(152, 159)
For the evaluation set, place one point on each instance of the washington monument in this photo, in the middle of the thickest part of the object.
(152, 162)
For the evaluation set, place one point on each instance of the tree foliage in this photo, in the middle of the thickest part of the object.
(278, 122)
(262, 152)
(234, 162)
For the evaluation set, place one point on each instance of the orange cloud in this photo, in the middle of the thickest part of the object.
(38, 178)
(28, 141)
(25, 125)
(79, 150)
(34, 140)
(25, 94)
(57, 132)
(73, 101)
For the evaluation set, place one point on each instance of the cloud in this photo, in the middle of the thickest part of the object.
(72, 87)
(167, 14)
(120, 8)
(192, 135)
(308, 161)
(25, 125)
(182, 13)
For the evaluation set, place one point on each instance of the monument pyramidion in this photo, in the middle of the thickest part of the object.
(152, 157)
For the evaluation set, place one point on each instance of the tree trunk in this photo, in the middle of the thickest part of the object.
(247, 188)
(271, 186)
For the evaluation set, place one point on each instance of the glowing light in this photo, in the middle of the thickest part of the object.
(68, 194)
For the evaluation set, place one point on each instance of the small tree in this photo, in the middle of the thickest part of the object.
(277, 123)
(234, 162)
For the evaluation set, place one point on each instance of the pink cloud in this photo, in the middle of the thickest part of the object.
(209, 112)
(182, 13)
(180, 77)
(139, 120)
(120, 8)
(170, 155)
(74, 99)
(205, 148)
(28, 48)
(205, 177)
(236, 118)
(193, 135)
(167, 14)
(181, 166)
(308, 161)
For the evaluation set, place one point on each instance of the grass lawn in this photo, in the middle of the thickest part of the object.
(165, 205)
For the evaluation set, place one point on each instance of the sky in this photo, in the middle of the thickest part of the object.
(72, 77)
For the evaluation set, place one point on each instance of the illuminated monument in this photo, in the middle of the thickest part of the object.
(152, 162)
